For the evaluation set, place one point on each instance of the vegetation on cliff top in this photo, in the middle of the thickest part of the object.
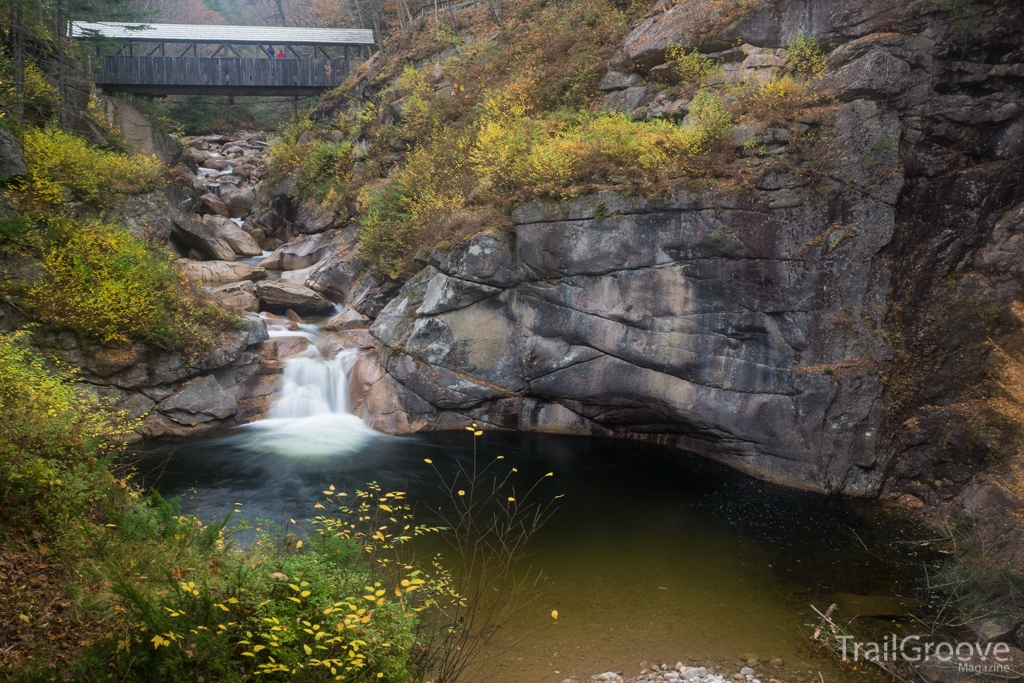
(446, 125)
(95, 278)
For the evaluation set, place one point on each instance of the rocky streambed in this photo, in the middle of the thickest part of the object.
(255, 263)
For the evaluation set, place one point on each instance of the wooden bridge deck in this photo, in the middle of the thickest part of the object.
(218, 75)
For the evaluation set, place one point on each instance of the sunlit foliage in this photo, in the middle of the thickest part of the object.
(58, 160)
(104, 284)
(51, 437)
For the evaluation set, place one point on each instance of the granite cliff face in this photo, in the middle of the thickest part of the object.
(841, 317)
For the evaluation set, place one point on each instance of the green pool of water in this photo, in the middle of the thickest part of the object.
(652, 554)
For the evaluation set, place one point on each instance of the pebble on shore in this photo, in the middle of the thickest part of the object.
(680, 673)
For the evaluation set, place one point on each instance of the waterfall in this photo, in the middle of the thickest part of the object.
(311, 417)
(314, 386)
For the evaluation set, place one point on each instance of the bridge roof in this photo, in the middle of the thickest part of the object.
(214, 33)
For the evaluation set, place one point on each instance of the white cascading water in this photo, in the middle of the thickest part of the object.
(311, 417)
(314, 386)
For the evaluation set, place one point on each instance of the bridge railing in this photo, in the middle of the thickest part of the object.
(218, 75)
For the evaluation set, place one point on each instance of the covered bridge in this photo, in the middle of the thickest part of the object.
(193, 59)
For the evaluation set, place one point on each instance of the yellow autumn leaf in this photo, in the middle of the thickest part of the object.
(428, 461)
(307, 648)
(511, 499)
(554, 614)
(461, 492)
(550, 474)
(477, 433)
(298, 545)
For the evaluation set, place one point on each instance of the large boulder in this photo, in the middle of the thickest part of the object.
(199, 400)
(240, 295)
(314, 217)
(139, 131)
(135, 366)
(152, 217)
(279, 294)
(333, 277)
(184, 189)
(446, 293)
(256, 327)
(241, 241)
(236, 195)
(211, 203)
(485, 258)
(219, 271)
(717, 25)
(308, 250)
(348, 319)
(12, 156)
(193, 234)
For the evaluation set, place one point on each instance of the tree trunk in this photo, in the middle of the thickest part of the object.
(60, 62)
(19, 57)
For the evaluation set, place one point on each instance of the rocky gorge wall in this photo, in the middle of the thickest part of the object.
(840, 318)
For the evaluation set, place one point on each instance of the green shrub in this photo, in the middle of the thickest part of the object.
(325, 170)
(514, 153)
(196, 114)
(710, 119)
(550, 154)
(52, 436)
(104, 284)
(774, 101)
(398, 213)
(58, 160)
(336, 605)
(692, 67)
(284, 155)
(13, 227)
(806, 56)
(39, 97)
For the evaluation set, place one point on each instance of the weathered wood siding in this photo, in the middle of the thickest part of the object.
(219, 76)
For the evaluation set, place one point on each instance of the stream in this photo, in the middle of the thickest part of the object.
(652, 555)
